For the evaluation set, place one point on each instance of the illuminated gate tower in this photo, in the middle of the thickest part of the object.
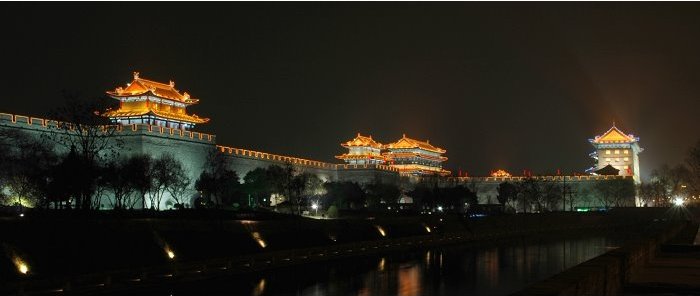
(149, 102)
(618, 150)
(362, 150)
(414, 157)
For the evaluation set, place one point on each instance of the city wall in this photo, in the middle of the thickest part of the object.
(244, 160)
(192, 149)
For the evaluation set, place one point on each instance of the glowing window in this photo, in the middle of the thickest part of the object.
(627, 167)
(607, 151)
(626, 159)
(627, 152)
(617, 160)
(607, 159)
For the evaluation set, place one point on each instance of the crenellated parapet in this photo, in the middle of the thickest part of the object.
(49, 125)
(514, 179)
(166, 132)
(296, 161)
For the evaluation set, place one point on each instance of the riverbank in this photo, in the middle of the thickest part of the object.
(121, 253)
(609, 273)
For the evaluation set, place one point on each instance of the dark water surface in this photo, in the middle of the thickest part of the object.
(496, 269)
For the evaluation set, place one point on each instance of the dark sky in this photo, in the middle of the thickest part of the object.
(499, 85)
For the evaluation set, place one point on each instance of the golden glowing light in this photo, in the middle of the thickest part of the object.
(258, 238)
(22, 266)
(171, 254)
(500, 174)
(381, 230)
(382, 262)
(259, 288)
(614, 135)
(427, 228)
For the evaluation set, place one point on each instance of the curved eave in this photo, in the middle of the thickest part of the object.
(346, 145)
(117, 95)
(358, 156)
(436, 150)
(395, 155)
(175, 117)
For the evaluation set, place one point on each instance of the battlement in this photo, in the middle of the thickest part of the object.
(156, 130)
(41, 124)
(298, 161)
(575, 178)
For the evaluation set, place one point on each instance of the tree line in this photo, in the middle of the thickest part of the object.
(543, 195)
(681, 181)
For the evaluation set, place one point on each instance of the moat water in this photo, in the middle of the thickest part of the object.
(496, 269)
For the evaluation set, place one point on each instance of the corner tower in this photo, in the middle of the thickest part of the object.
(149, 102)
(619, 150)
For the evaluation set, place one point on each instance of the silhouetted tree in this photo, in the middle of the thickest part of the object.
(507, 193)
(218, 183)
(118, 182)
(179, 187)
(25, 163)
(615, 192)
(137, 170)
(424, 195)
(257, 186)
(79, 127)
(529, 193)
(378, 193)
(344, 195)
(693, 164)
(551, 195)
(165, 172)
(456, 198)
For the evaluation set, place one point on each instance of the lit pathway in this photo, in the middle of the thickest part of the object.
(670, 273)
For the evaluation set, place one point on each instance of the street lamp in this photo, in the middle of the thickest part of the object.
(678, 201)
(315, 207)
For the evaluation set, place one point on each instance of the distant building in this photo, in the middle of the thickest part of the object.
(619, 150)
(411, 157)
(414, 157)
(148, 102)
(362, 150)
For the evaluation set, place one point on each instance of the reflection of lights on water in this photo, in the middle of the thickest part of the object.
(381, 264)
(258, 238)
(332, 237)
(259, 288)
(22, 266)
(169, 251)
(409, 283)
(381, 230)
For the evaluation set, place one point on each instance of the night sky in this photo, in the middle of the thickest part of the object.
(499, 85)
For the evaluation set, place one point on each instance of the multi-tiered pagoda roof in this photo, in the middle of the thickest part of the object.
(147, 101)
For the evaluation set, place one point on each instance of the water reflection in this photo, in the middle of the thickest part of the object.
(458, 270)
